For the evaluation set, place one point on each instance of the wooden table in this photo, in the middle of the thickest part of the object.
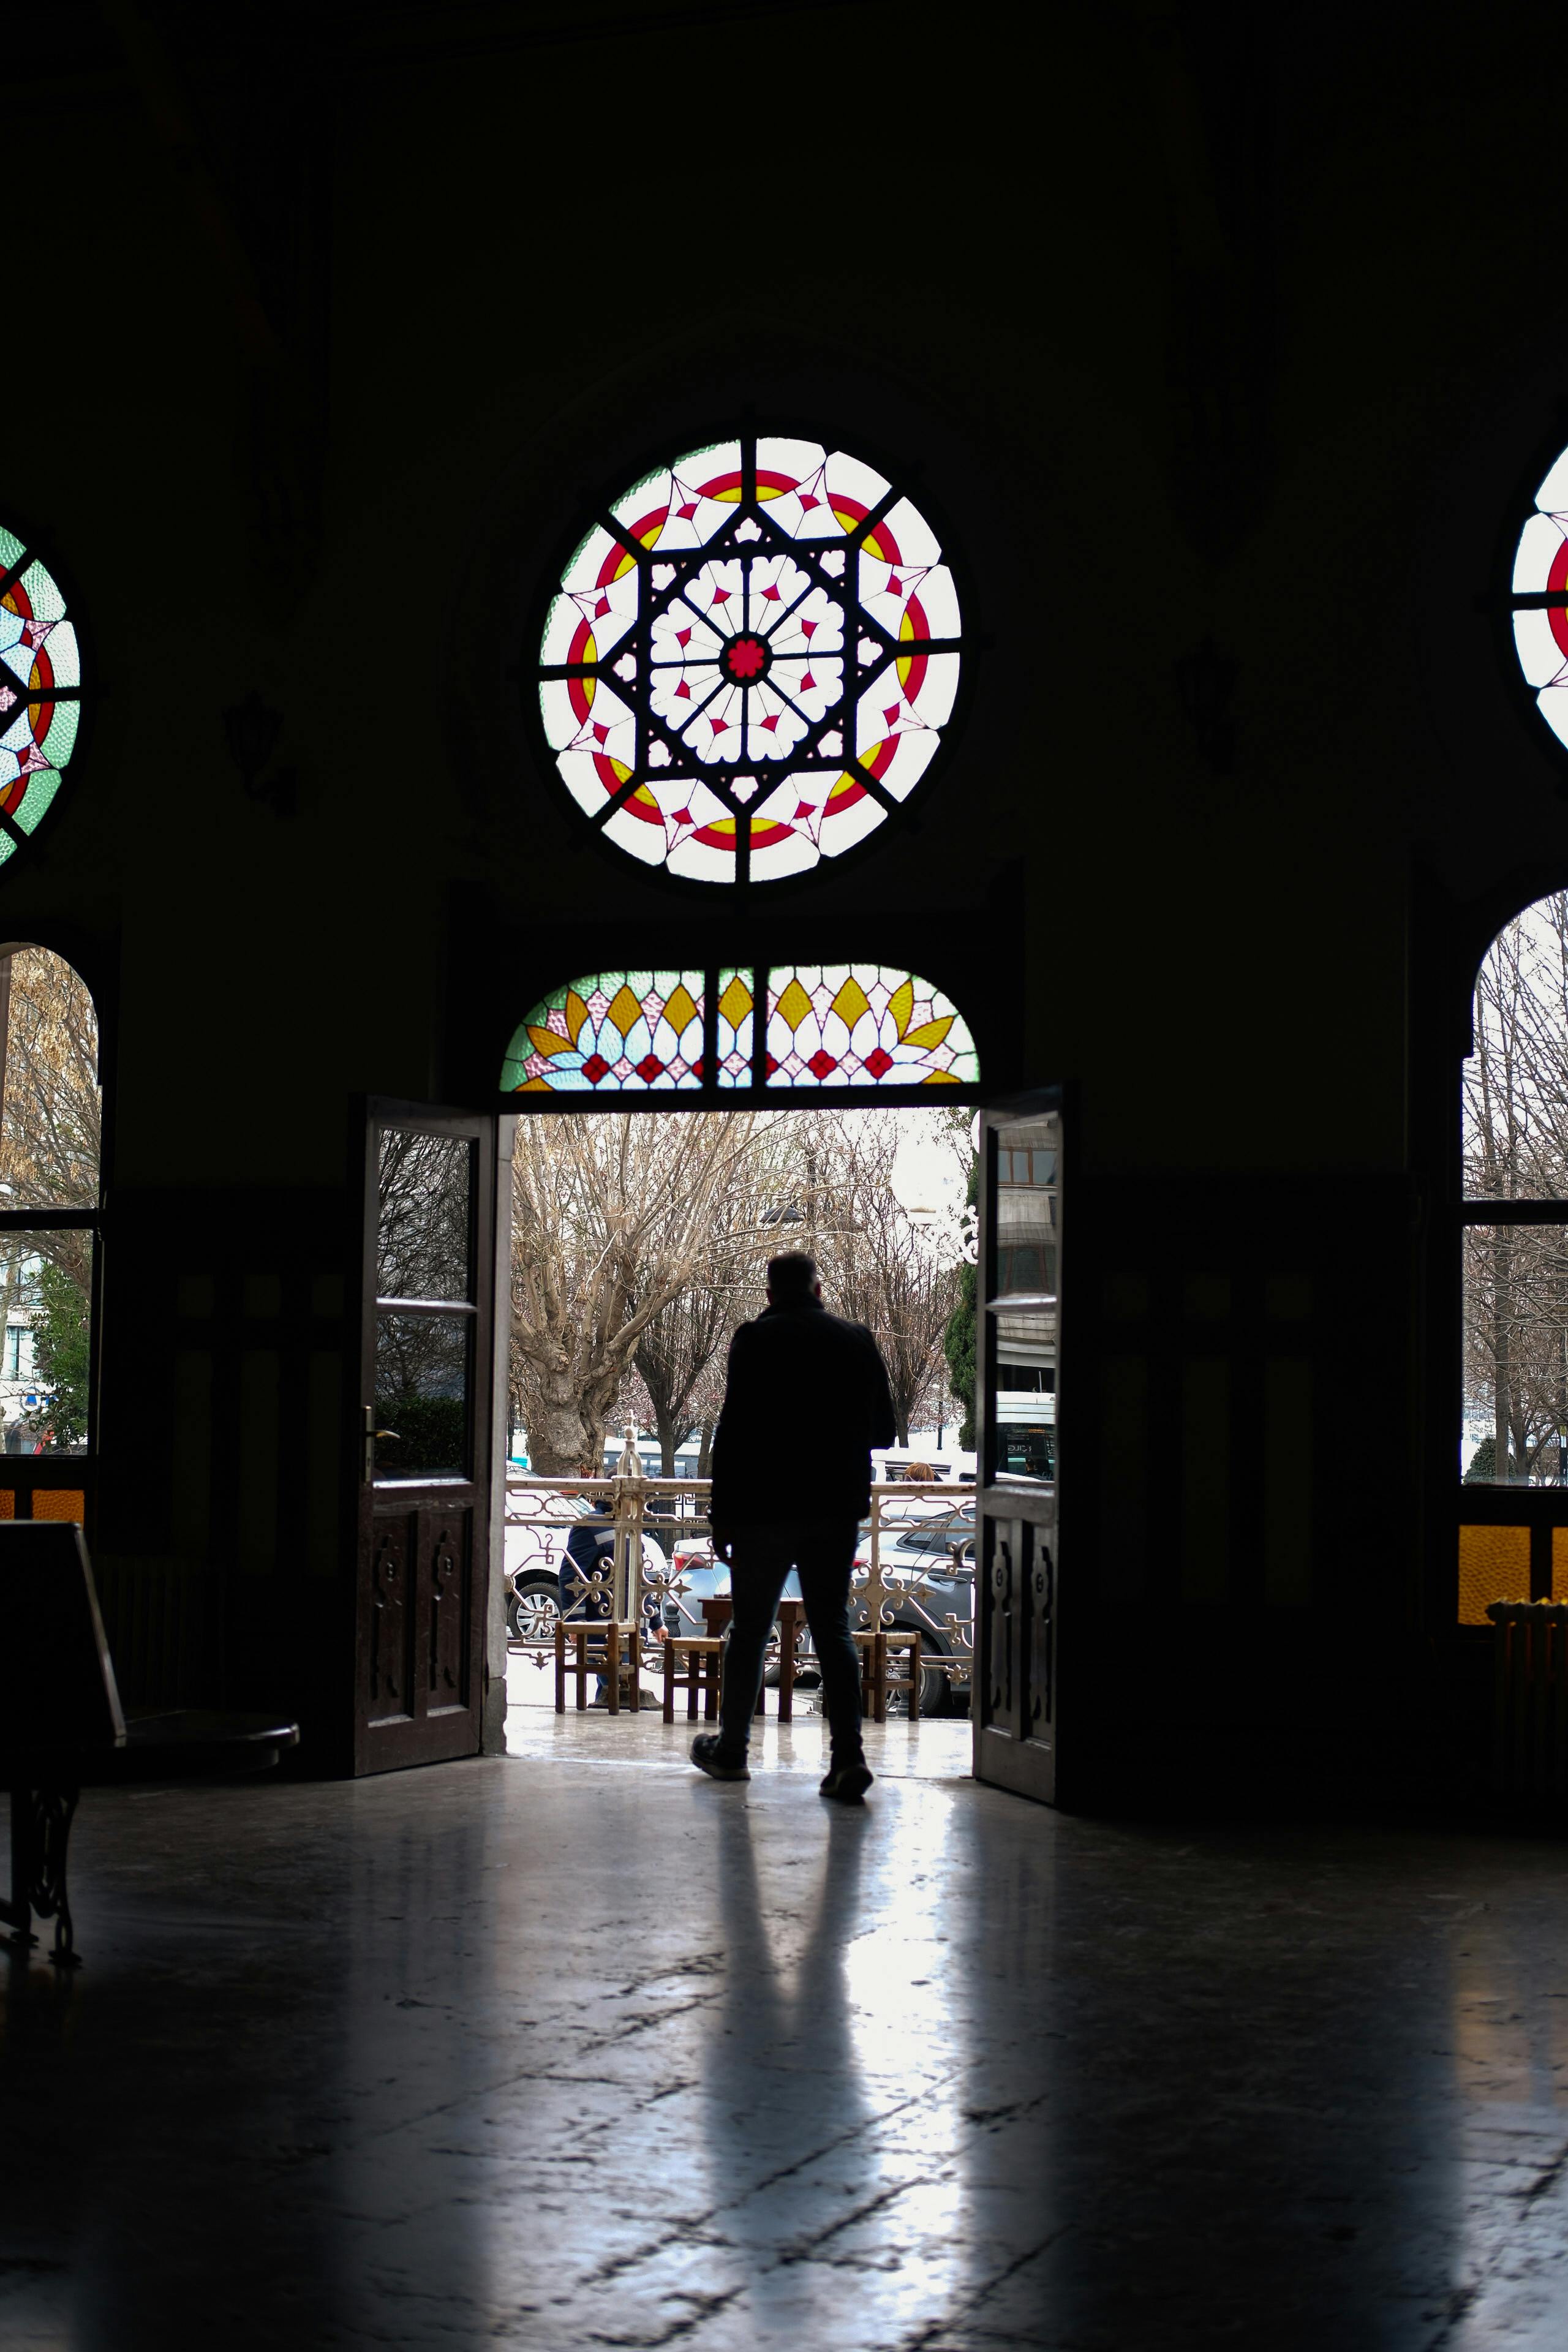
(716, 1615)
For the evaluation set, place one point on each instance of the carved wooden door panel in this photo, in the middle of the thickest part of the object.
(1014, 1702)
(426, 1435)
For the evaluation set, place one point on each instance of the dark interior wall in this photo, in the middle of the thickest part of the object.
(1224, 345)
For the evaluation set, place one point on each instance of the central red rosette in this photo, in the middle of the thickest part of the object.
(745, 657)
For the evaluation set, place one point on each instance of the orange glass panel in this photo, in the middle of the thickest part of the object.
(7, 1503)
(1560, 1563)
(1494, 1564)
(61, 1503)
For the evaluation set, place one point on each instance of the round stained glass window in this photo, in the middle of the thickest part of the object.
(749, 660)
(40, 692)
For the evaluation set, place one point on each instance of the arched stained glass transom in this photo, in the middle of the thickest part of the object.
(749, 660)
(40, 690)
(822, 1025)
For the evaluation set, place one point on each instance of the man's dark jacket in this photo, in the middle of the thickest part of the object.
(806, 1401)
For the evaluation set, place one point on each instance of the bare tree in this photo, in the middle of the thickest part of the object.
(50, 1118)
(616, 1217)
(675, 1354)
(878, 1263)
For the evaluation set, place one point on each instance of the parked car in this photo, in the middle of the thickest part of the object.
(538, 1525)
(933, 1552)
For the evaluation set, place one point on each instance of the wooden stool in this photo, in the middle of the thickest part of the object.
(867, 1639)
(895, 1639)
(703, 1653)
(876, 1645)
(789, 1615)
(622, 1646)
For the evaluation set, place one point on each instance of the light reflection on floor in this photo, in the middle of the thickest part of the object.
(592, 2052)
(935, 1748)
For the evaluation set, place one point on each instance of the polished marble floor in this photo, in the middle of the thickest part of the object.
(572, 2047)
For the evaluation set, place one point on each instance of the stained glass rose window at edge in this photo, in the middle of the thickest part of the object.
(40, 690)
(864, 1026)
(749, 660)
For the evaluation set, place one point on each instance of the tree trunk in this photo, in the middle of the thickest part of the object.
(668, 1439)
(559, 1442)
(705, 1450)
(901, 1423)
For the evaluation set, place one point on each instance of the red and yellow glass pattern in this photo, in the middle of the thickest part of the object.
(864, 1026)
(749, 660)
(861, 1025)
(40, 692)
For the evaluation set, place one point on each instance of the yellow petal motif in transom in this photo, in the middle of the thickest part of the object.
(577, 1014)
(902, 1006)
(793, 1005)
(545, 1041)
(623, 1009)
(736, 1001)
(680, 1009)
(850, 1003)
(929, 1033)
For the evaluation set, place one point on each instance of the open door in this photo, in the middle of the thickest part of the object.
(427, 1373)
(1015, 1686)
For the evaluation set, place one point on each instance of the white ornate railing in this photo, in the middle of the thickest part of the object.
(635, 1587)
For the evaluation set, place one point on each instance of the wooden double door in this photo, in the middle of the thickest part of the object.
(426, 1435)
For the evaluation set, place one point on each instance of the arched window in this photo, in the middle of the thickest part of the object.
(40, 692)
(824, 1027)
(748, 663)
(1514, 1538)
(50, 1143)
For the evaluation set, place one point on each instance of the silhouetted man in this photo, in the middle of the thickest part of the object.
(808, 1390)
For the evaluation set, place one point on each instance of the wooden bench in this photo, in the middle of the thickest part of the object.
(62, 1729)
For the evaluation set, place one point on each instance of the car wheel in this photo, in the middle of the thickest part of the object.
(533, 1608)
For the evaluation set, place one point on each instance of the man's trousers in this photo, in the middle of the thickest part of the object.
(761, 1557)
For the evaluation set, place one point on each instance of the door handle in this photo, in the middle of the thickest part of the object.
(370, 1434)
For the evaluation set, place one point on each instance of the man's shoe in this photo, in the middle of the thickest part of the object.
(847, 1783)
(709, 1754)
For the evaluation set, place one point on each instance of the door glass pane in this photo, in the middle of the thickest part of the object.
(1514, 1414)
(1024, 1399)
(1021, 1309)
(422, 1373)
(422, 1248)
(1024, 1242)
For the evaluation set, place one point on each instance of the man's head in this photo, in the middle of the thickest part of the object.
(792, 1280)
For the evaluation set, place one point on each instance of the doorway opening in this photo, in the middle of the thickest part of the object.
(639, 1242)
(659, 1135)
